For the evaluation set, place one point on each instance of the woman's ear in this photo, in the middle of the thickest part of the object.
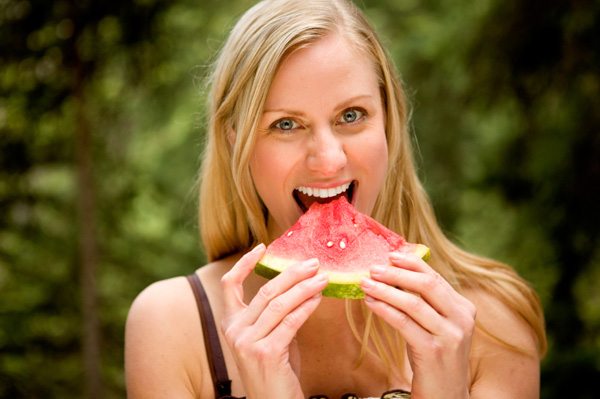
(231, 136)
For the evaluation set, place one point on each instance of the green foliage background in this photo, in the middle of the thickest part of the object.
(506, 112)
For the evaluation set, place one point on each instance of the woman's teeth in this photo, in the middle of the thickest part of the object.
(323, 192)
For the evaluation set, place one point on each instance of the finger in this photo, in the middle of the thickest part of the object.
(232, 281)
(278, 285)
(410, 330)
(410, 262)
(413, 274)
(431, 287)
(407, 304)
(281, 307)
(285, 332)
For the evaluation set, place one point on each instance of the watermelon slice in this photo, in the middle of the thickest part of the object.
(346, 242)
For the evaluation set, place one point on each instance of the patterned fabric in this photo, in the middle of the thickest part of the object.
(393, 394)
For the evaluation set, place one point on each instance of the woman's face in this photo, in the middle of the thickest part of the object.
(322, 133)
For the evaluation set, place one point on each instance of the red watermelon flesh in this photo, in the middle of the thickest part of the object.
(346, 242)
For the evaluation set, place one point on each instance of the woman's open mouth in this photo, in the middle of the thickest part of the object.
(306, 196)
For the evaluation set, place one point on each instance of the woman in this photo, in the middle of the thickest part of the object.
(303, 96)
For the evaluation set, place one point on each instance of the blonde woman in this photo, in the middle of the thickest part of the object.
(303, 95)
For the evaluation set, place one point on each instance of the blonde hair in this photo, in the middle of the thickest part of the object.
(232, 216)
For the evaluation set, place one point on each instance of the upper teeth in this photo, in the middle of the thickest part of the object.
(324, 192)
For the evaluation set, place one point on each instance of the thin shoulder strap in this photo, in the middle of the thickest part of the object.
(216, 360)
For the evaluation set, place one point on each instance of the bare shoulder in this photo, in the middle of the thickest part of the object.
(504, 356)
(163, 343)
(159, 300)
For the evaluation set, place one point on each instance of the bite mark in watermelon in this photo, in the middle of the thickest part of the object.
(346, 242)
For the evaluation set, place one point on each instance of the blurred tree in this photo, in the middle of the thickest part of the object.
(90, 189)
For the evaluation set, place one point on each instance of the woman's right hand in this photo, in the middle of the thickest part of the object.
(261, 335)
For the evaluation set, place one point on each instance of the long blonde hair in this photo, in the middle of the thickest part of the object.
(232, 216)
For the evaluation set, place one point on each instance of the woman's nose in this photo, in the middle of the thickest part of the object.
(326, 155)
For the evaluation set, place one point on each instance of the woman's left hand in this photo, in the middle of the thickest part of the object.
(436, 322)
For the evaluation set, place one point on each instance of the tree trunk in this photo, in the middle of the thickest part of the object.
(88, 245)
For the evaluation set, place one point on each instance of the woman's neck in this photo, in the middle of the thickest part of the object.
(328, 331)
(332, 361)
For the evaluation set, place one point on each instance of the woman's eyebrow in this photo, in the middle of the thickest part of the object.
(284, 110)
(343, 104)
(350, 101)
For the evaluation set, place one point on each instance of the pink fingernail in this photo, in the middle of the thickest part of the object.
(367, 282)
(397, 256)
(258, 247)
(377, 269)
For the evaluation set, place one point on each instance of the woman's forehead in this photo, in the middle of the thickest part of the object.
(330, 63)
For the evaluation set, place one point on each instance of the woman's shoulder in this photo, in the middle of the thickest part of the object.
(504, 356)
(164, 339)
(158, 348)
(164, 294)
(172, 298)
(498, 319)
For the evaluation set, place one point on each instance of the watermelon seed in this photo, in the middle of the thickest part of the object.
(290, 233)
(342, 244)
(330, 244)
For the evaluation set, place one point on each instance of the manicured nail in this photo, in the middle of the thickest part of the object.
(397, 256)
(377, 269)
(367, 283)
(369, 298)
(310, 263)
(320, 277)
(258, 247)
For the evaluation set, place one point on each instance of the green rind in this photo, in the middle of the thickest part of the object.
(265, 271)
(341, 285)
(423, 252)
(343, 291)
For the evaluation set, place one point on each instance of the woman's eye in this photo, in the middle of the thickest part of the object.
(351, 115)
(286, 124)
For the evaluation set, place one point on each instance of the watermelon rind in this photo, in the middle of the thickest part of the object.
(341, 285)
(422, 252)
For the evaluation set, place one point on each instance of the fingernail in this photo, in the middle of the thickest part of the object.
(377, 270)
(397, 256)
(311, 263)
(367, 282)
(369, 298)
(258, 247)
(320, 277)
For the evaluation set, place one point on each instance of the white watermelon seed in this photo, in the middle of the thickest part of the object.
(329, 244)
(342, 244)
(290, 233)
